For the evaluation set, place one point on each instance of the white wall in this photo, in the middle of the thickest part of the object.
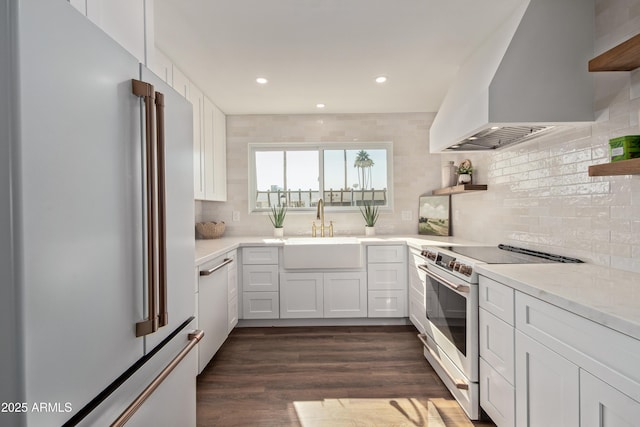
(540, 194)
(415, 171)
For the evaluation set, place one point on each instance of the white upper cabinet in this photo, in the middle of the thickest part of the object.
(180, 82)
(128, 22)
(197, 100)
(162, 66)
(215, 153)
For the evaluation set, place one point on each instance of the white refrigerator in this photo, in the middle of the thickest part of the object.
(81, 234)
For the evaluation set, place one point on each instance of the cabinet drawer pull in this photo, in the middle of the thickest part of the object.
(217, 267)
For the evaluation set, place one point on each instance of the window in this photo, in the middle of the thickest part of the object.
(296, 175)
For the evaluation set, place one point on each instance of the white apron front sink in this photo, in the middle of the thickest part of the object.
(322, 253)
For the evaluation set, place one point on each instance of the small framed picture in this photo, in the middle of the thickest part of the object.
(434, 215)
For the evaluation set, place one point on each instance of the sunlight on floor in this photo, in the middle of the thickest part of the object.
(368, 412)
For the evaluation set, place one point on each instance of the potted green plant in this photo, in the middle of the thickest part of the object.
(465, 170)
(370, 215)
(277, 216)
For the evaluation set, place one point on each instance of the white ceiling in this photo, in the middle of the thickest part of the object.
(324, 51)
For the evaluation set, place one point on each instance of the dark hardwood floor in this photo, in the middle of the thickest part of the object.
(324, 376)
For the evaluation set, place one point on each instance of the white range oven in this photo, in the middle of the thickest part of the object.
(451, 293)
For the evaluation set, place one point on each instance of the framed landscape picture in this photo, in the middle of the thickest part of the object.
(434, 215)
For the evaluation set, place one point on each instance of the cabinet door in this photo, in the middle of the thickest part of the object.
(260, 255)
(497, 299)
(604, 406)
(391, 303)
(497, 345)
(215, 152)
(386, 253)
(212, 311)
(497, 396)
(301, 295)
(163, 67)
(199, 184)
(387, 276)
(417, 288)
(417, 311)
(232, 291)
(547, 386)
(259, 278)
(260, 305)
(345, 295)
(180, 82)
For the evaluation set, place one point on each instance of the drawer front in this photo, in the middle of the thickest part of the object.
(608, 354)
(387, 276)
(497, 396)
(259, 278)
(386, 253)
(387, 303)
(260, 305)
(497, 299)
(260, 255)
(497, 344)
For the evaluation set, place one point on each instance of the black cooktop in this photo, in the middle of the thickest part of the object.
(505, 254)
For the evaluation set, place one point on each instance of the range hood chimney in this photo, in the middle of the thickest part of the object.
(528, 77)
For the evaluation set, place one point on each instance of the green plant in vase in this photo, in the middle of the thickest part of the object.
(277, 215)
(370, 215)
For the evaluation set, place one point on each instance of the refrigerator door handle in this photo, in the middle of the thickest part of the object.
(163, 315)
(150, 325)
(193, 338)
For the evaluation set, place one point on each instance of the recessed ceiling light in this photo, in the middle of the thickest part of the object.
(320, 105)
(262, 81)
(473, 138)
(381, 79)
(495, 127)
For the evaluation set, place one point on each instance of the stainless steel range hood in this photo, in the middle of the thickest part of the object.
(526, 79)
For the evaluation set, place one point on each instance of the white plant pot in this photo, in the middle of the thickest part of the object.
(278, 232)
(464, 178)
(369, 231)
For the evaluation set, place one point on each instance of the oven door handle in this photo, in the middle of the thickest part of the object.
(458, 383)
(460, 288)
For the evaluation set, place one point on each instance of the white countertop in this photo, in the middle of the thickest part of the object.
(604, 295)
(206, 250)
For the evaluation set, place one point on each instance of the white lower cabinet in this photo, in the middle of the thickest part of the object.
(392, 303)
(387, 281)
(569, 370)
(213, 302)
(301, 295)
(497, 396)
(232, 291)
(417, 292)
(497, 351)
(260, 283)
(318, 295)
(547, 386)
(260, 305)
(601, 405)
(345, 294)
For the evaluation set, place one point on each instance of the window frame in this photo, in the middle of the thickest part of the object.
(319, 147)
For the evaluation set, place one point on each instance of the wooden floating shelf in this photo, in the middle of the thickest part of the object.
(624, 57)
(623, 167)
(459, 189)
